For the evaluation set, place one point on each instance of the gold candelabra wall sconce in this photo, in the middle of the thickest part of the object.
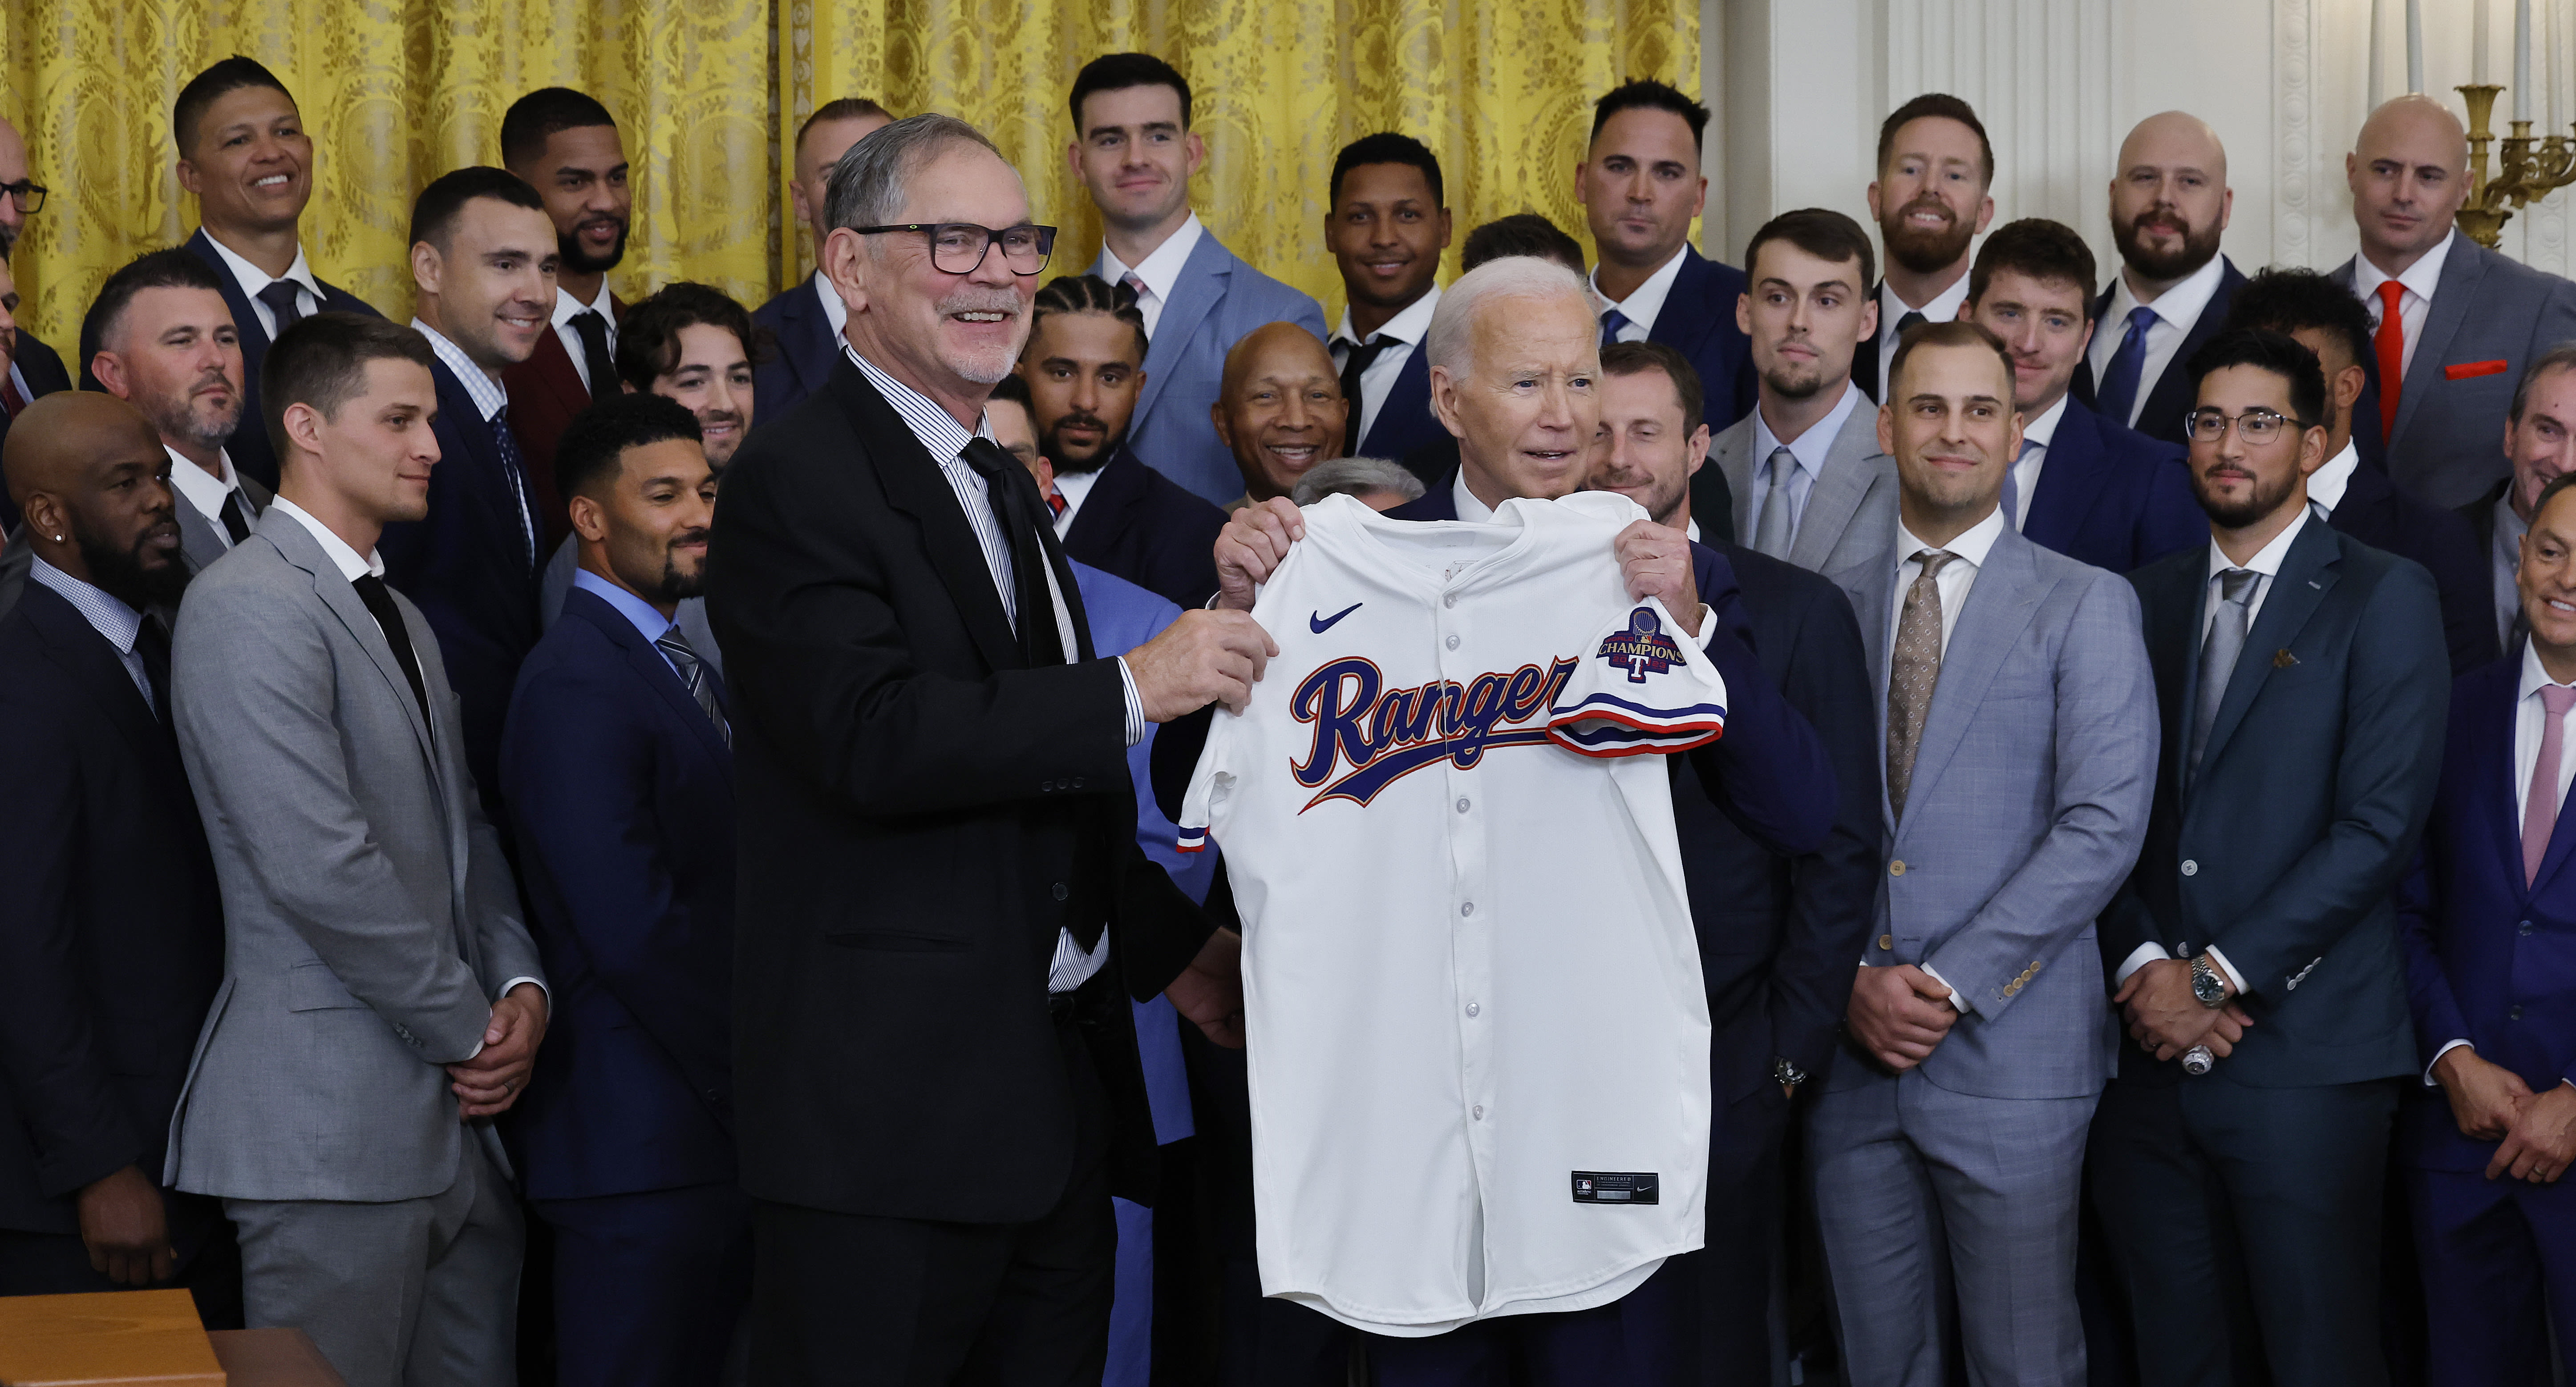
(2526, 169)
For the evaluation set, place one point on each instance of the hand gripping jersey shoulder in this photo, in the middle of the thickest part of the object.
(1479, 1057)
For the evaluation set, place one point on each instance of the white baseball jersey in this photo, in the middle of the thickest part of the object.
(1479, 1040)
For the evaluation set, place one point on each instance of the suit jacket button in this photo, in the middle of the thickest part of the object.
(1887, 942)
(2514, 1015)
(2526, 927)
(2190, 868)
(1896, 869)
(1077, 782)
(1062, 891)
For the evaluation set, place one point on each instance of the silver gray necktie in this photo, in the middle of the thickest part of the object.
(2218, 653)
(1771, 532)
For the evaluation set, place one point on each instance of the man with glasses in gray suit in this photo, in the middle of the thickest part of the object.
(381, 999)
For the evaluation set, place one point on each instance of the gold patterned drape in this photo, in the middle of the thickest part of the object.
(396, 92)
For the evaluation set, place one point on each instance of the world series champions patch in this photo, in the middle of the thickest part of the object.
(1642, 648)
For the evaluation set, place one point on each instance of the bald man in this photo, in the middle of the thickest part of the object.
(805, 318)
(2453, 323)
(1279, 410)
(2169, 203)
(112, 936)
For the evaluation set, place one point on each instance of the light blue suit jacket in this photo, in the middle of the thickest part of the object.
(2029, 801)
(1218, 300)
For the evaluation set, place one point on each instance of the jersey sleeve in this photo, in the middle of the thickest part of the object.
(1210, 785)
(1640, 690)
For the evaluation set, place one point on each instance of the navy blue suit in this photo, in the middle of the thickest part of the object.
(249, 447)
(111, 949)
(625, 829)
(2490, 959)
(802, 348)
(1405, 421)
(2111, 496)
(2375, 512)
(1142, 526)
(45, 375)
(468, 569)
(2170, 397)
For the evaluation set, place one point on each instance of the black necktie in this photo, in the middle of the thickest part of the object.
(1352, 368)
(1908, 321)
(380, 603)
(236, 523)
(285, 302)
(594, 353)
(1015, 505)
(153, 644)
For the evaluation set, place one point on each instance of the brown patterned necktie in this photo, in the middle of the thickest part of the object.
(1913, 670)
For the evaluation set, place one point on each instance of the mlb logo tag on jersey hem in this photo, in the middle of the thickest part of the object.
(1615, 1187)
(1643, 648)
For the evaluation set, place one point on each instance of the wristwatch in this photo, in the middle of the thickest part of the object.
(2207, 983)
(1785, 1073)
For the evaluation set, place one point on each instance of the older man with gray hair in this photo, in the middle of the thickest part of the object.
(943, 910)
(1379, 483)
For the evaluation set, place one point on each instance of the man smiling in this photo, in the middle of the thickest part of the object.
(2169, 203)
(1929, 199)
(1281, 411)
(1387, 223)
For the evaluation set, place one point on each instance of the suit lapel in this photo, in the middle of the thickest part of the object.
(254, 340)
(1685, 330)
(298, 547)
(1116, 491)
(1838, 491)
(85, 655)
(551, 370)
(1999, 605)
(2070, 479)
(653, 668)
(808, 337)
(1203, 281)
(2461, 270)
(914, 486)
(2307, 574)
(1732, 455)
(1409, 398)
(2166, 400)
(199, 542)
(2170, 615)
(2082, 386)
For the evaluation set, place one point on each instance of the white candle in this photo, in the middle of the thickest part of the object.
(2414, 45)
(2521, 57)
(2478, 41)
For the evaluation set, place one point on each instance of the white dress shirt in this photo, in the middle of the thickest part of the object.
(1405, 328)
(2326, 484)
(1892, 310)
(1645, 303)
(1161, 270)
(566, 307)
(205, 493)
(2035, 437)
(2177, 309)
(2420, 280)
(1809, 449)
(1074, 488)
(308, 298)
(116, 623)
(835, 312)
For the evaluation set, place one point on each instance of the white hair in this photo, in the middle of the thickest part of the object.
(1453, 323)
(1355, 477)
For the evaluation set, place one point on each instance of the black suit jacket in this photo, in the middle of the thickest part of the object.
(112, 943)
(45, 375)
(1152, 531)
(919, 813)
(800, 353)
(2375, 512)
(1405, 423)
(2170, 397)
(252, 454)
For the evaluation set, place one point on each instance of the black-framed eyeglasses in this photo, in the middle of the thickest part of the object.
(2256, 426)
(31, 196)
(957, 248)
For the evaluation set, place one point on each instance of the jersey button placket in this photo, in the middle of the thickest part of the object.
(1472, 922)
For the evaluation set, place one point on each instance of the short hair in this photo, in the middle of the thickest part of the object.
(1387, 147)
(434, 212)
(1646, 94)
(1011, 390)
(2049, 251)
(841, 108)
(2289, 300)
(2557, 484)
(1521, 233)
(648, 338)
(1955, 332)
(599, 435)
(1512, 277)
(1637, 358)
(1355, 477)
(1823, 233)
(1947, 107)
(228, 75)
(533, 119)
(1088, 293)
(1114, 72)
(321, 361)
(867, 187)
(2265, 350)
(2558, 358)
(171, 268)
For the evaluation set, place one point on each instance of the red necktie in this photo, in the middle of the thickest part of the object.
(1055, 502)
(2390, 347)
(10, 399)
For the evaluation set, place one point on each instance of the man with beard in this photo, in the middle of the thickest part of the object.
(113, 943)
(1386, 223)
(2169, 202)
(244, 154)
(1085, 369)
(1929, 200)
(1280, 411)
(2241, 1146)
(1801, 478)
(2453, 323)
(566, 146)
(805, 317)
(619, 771)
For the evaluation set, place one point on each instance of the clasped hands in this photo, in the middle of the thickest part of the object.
(493, 1080)
(2166, 1019)
(2492, 1103)
(1899, 1015)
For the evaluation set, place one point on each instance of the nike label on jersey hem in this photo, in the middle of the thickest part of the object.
(1615, 1187)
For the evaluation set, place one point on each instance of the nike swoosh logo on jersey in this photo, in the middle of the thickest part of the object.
(1320, 623)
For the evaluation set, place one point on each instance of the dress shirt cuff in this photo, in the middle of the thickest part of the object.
(1135, 705)
(2429, 1080)
(1707, 625)
(2146, 954)
(2234, 978)
(504, 992)
(1953, 998)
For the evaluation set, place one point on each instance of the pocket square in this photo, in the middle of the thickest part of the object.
(2464, 369)
(2283, 659)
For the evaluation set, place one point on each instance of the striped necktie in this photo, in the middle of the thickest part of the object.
(693, 673)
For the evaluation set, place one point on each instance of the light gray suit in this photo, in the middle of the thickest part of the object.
(369, 921)
(1851, 509)
(2489, 317)
(2029, 802)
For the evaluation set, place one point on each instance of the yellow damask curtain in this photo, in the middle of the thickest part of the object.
(396, 92)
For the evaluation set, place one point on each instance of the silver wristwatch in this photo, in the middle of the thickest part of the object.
(2206, 984)
(1785, 1073)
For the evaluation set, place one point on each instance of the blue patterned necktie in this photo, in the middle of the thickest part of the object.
(693, 673)
(505, 440)
(2117, 396)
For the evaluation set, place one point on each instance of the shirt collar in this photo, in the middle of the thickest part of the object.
(1646, 301)
(567, 307)
(2267, 561)
(253, 279)
(488, 394)
(1407, 326)
(2043, 430)
(648, 623)
(1970, 547)
(1943, 307)
(334, 548)
(835, 312)
(2421, 278)
(1469, 507)
(2535, 676)
(204, 492)
(107, 614)
(2179, 305)
(1817, 443)
(1161, 268)
(938, 432)
(2326, 485)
